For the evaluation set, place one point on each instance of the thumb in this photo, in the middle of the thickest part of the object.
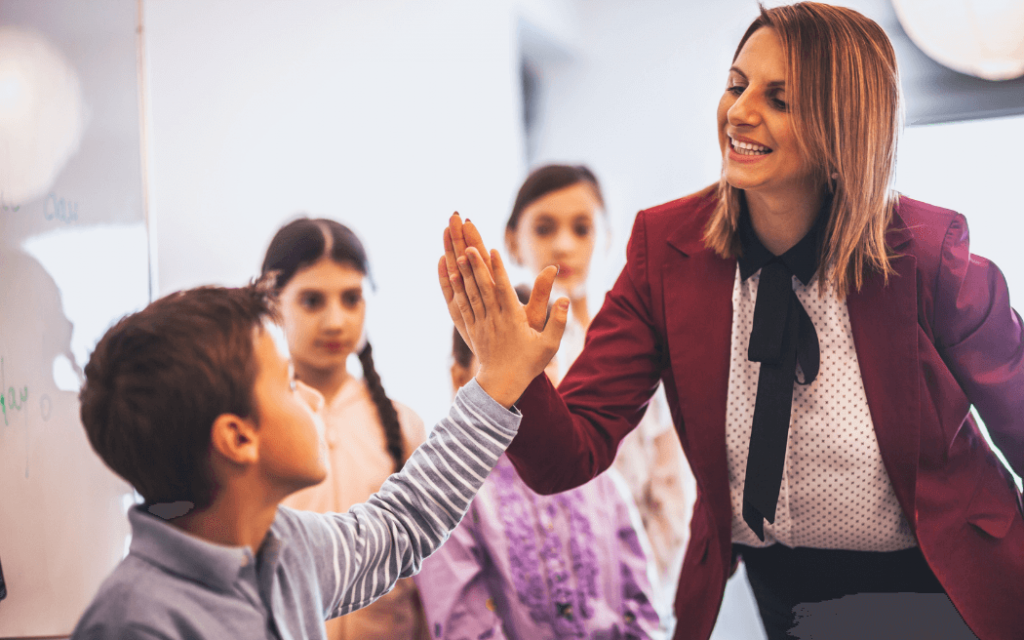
(537, 307)
(556, 324)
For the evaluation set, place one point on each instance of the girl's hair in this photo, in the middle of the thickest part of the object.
(548, 179)
(300, 244)
(846, 110)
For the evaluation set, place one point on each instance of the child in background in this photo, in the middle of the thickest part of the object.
(531, 567)
(320, 266)
(554, 221)
(191, 402)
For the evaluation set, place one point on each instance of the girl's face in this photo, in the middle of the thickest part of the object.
(558, 228)
(755, 131)
(323, 311)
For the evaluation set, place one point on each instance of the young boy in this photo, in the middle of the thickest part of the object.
(191, 402)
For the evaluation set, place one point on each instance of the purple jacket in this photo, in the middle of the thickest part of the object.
(532, 567)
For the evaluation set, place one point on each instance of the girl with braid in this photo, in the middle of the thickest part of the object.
(320, 266)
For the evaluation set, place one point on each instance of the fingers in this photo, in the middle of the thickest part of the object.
(445, 282)
(470, 288)
(537, 307)
(504, 291)
(552, 333)
(462, 303)
(482, 279)
(473, 239)
(449, 253)
(449, 298)
(457, 234)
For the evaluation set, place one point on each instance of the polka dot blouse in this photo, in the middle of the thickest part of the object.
(835, 493)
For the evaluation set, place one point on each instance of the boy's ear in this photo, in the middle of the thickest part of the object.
(512, 244)
(235, 439)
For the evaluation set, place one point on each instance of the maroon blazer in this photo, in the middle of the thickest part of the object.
(939, 337)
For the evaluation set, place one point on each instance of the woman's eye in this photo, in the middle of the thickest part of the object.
(779, 103)
(544, 229)
(735, 89)
(311, 301)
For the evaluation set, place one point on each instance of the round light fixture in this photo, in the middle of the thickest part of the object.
(983, 38)
(41, 115)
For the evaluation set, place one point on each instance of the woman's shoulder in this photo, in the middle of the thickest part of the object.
(679, 223)
(695, 205)
(929, 228)
(925, 221)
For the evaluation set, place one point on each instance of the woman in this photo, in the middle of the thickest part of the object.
(554, 221)
(321, 266)
(526, 566)
(821, 341)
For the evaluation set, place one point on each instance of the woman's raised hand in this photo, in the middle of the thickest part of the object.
(509, 339)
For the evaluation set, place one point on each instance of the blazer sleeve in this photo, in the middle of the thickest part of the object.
(568, 436)
(980, 337)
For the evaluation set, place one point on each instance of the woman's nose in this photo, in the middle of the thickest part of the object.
(745, 110)
(564, 243)
(334, 316)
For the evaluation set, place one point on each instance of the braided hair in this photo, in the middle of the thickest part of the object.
(300, 244)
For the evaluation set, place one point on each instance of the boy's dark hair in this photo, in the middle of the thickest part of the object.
(159, 378)
(548, 179)
(303, 242)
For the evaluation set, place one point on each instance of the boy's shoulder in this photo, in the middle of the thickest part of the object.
(138, 601)
(174, 586)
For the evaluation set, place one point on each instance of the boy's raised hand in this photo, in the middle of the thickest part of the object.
(457, 237)
(494, 323)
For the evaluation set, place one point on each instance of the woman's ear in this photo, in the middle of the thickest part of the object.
(234, 439)
(512, 244)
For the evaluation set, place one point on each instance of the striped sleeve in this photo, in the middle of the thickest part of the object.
(388, 536)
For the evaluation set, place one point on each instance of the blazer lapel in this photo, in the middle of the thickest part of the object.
(697, 290)
(885, 332)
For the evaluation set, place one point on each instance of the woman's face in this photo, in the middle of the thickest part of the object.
(323, 311)
(755, 132)
(558, 229)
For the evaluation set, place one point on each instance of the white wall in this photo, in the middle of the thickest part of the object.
(385, 115)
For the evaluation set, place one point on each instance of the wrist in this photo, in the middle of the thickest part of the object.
(501, 388)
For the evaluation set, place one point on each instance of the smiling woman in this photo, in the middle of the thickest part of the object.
(821, 340)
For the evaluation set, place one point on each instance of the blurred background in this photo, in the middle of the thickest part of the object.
(390, 115)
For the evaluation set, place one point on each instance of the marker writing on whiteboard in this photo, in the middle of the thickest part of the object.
(59, 209)
(13, 398)
(7, 207)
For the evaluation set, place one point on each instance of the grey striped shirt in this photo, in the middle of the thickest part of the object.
(311, 566)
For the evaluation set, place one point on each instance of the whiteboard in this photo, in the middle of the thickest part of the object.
(73, 258)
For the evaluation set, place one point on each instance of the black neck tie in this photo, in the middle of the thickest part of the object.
(781, 336)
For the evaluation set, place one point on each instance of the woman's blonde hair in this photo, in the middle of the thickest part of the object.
(846, 111)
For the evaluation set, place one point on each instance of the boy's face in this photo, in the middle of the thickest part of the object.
(292, 450)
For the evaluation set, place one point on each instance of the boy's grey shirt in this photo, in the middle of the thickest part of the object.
(311, 566)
